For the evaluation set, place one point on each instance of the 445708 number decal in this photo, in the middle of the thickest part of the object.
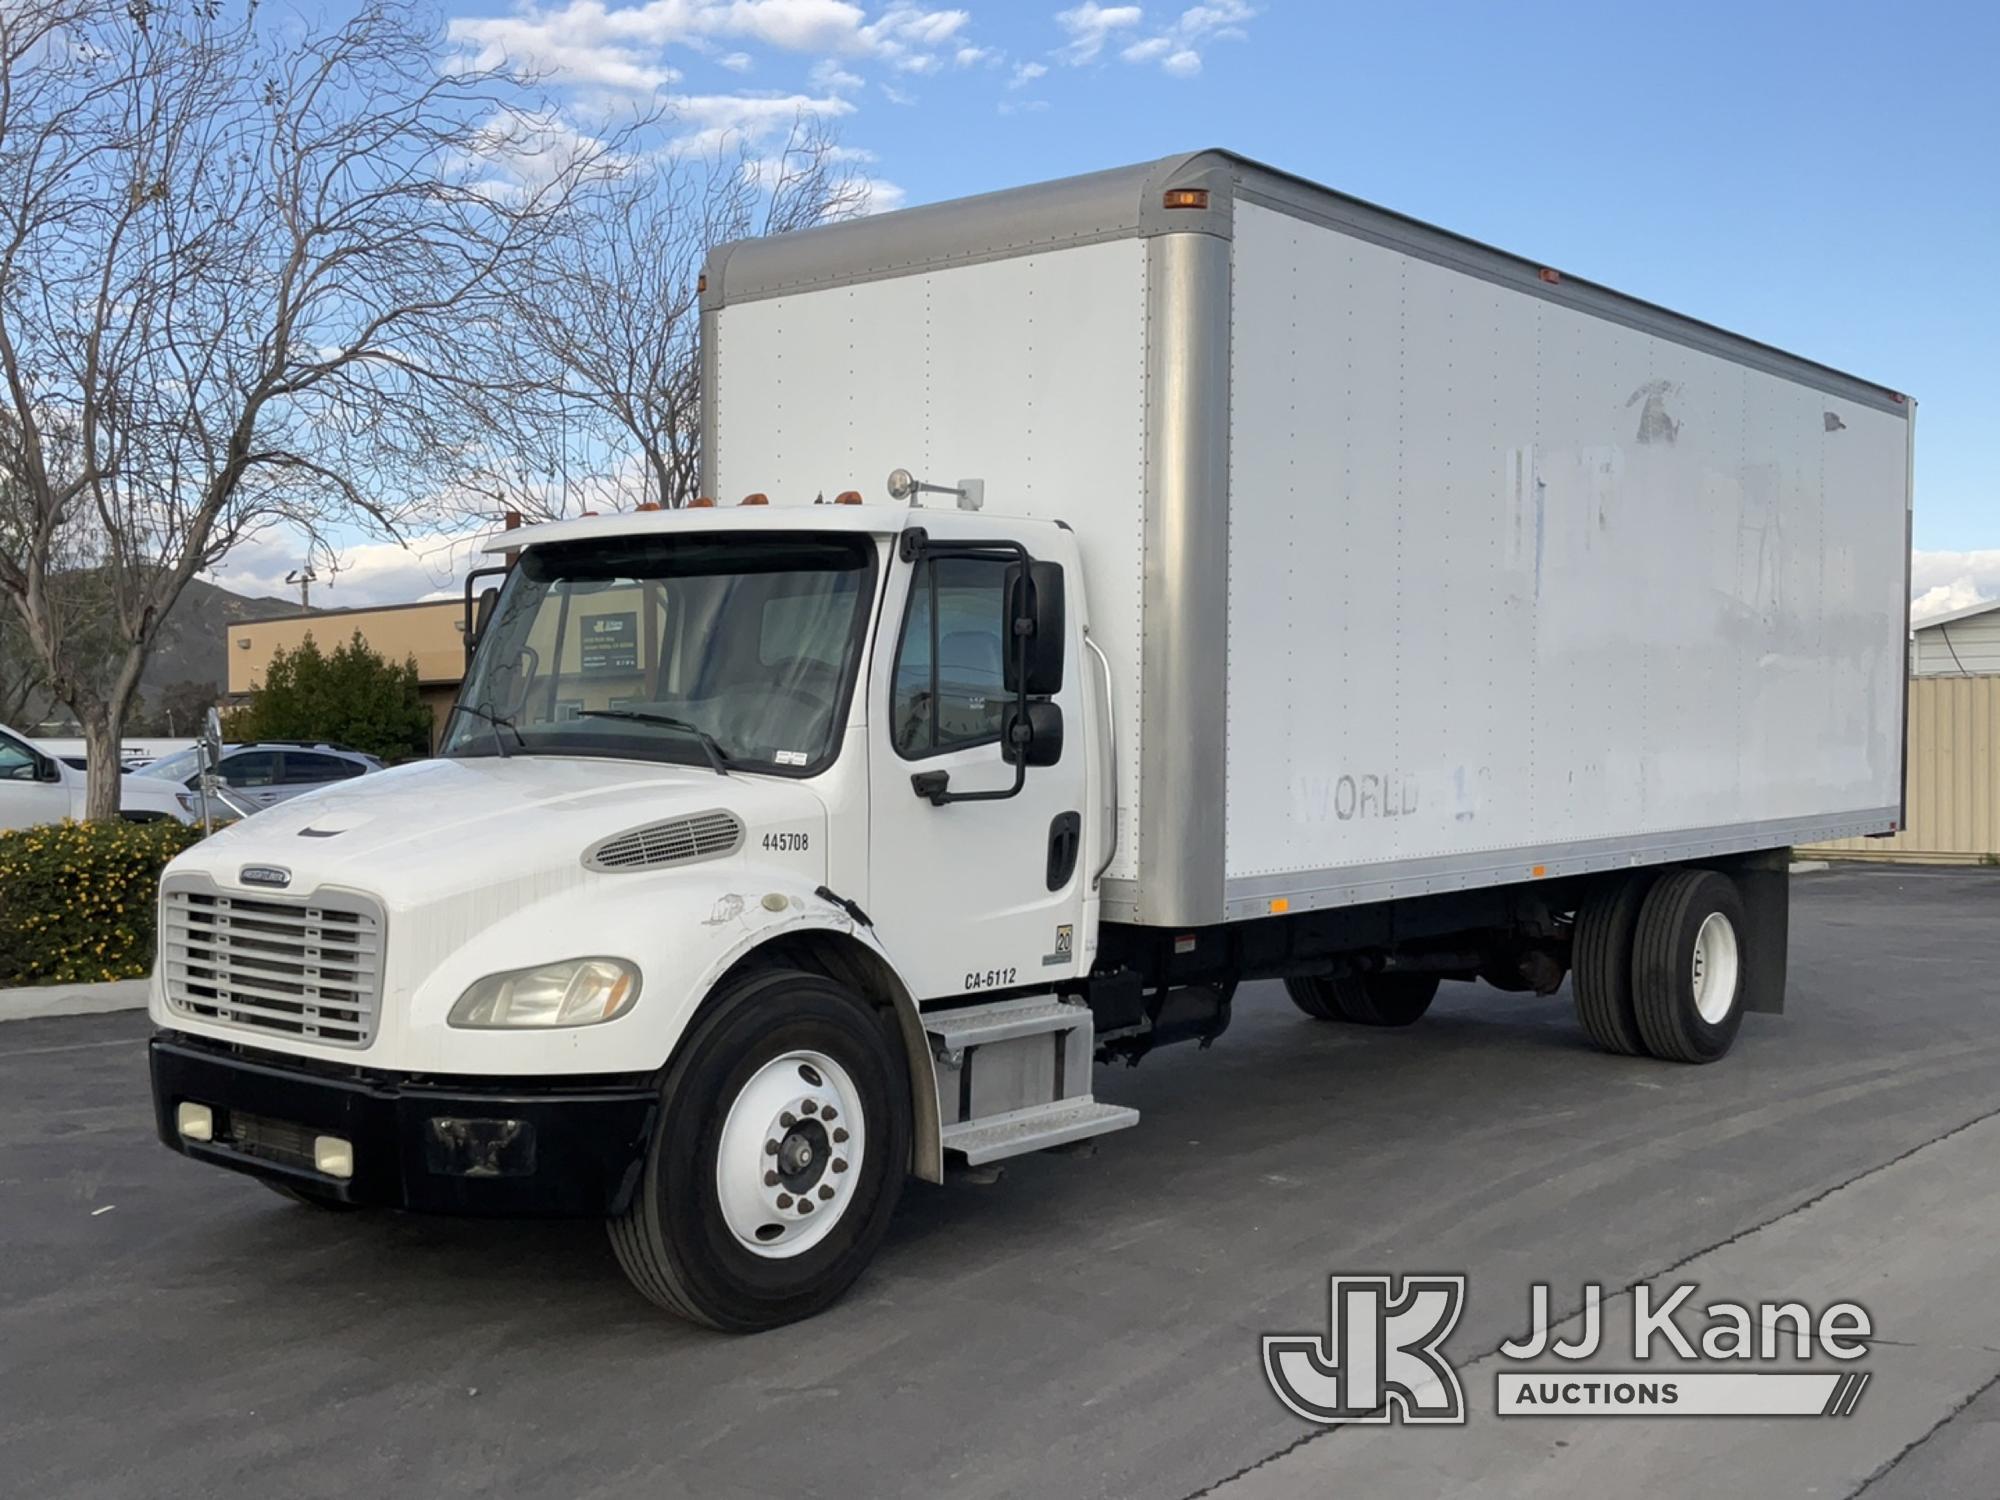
(787, 843)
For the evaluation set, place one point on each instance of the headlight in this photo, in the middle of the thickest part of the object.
(186, 800)
(579, 992)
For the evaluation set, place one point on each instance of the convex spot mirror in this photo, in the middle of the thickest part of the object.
(1042, 744)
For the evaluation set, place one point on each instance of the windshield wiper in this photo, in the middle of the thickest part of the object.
(497, 723)
(709, 747)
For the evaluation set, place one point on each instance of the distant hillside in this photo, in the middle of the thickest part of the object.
(193, 647)
(194, 643)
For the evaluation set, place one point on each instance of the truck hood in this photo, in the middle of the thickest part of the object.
(435, 829)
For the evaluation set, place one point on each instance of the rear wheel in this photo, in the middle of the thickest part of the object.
(1601, 964)
(783, 1139)
(1688, 966)
(1365, 999)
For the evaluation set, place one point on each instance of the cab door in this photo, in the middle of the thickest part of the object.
(975, 877)
(34, 788)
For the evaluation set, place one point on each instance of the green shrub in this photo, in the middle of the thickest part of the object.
(353, 697)
(78, 900)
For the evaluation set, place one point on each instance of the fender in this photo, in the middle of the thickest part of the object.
(686, 930)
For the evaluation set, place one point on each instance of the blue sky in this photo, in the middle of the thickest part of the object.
(1824, 177)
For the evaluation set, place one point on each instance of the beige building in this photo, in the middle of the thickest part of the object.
(433, 632)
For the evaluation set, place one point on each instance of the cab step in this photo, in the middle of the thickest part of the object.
(1035, 1129)
(1014, 1076)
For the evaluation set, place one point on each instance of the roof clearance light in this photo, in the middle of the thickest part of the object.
(848, 497)
(1552, 276)
(1185, 198)
(759, 498)
(701, 502)
(647, 505)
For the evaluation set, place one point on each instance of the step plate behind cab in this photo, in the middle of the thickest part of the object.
(1014, 1076)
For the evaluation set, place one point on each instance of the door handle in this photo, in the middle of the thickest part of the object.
(1065, 840)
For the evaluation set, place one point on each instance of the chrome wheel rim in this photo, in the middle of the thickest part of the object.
(790, 1154)
(1717, 966)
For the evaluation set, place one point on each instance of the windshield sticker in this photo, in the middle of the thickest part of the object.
(790, 757)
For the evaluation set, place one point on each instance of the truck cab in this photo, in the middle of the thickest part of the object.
(710, 768)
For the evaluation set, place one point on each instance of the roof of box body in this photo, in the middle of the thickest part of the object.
(1128, 202)
(878, 520)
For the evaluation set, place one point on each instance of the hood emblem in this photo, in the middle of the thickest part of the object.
(271, 875)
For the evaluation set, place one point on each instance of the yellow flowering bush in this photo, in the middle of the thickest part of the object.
(77, 900)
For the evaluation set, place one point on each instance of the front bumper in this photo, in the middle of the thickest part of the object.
(570, 1147)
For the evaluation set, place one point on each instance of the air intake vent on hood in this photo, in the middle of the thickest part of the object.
(677, 841)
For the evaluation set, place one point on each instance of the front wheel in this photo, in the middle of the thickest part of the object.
(783, 1139)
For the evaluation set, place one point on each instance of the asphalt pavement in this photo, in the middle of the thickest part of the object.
(1090, 1324)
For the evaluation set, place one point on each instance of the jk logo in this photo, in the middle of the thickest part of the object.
(1381, 1362)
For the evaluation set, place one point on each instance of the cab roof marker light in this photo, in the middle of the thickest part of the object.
(701, 502)
(1184, 198)
(755, 497)
(848, 497)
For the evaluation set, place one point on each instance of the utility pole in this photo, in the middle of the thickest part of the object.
(305, 578)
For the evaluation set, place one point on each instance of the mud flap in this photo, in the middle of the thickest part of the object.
(1765, 881)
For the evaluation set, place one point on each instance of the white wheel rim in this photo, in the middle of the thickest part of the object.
(790, 1155)
(1716, 966)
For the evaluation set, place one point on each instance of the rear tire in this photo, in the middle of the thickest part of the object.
(1688, 966)
(1365, 999)
(1601, 964)
(723, 1230)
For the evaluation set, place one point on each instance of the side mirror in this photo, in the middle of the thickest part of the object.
(47, 768)
(1038, 599)
(483, 612)
(1037, 740)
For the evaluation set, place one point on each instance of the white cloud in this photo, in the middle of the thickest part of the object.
(883, 196)
(966, 57)
(707, 121)
(622, 47)
(1945, 581)
(365, 572)
(830, 75)
(1090, 26)
(897, 96)
(1026, 73)
(1176, 47)
(737, 62)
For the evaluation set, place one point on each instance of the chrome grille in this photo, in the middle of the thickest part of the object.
(303, 966)
(706, 835)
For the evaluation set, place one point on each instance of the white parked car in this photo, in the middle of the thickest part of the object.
(39, 787)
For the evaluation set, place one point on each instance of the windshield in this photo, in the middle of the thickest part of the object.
(715, 649)
(176, 767)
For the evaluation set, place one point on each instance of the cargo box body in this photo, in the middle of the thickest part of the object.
(1418, 566)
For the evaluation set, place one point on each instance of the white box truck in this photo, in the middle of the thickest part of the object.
(1267, 586)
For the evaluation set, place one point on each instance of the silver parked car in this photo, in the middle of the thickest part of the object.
(268, 772)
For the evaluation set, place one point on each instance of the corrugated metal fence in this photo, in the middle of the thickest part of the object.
(1954, 799)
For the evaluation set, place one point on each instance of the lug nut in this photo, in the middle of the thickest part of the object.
(770, 1148)
(805, 1205)
(840, 1164)
(809, 1108)
(826, 1195)
(784, 1200)
(840, 1135)
(770, 1179)
(788, 1119)
(830, 1113)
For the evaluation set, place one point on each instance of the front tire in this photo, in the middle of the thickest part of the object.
(1365, 999)
(1688, 966)
(782, 1144)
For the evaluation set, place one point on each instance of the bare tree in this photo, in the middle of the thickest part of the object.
(243, 270)
(609, 324)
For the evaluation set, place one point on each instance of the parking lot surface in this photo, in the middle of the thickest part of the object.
(1089, 1325)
